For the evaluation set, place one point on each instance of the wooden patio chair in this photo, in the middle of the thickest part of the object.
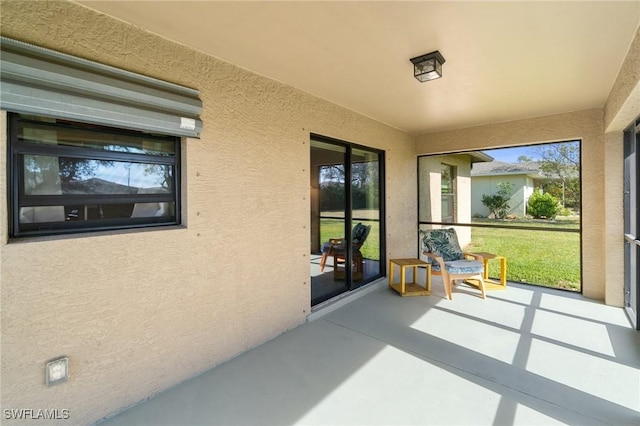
(336, 247)
(447, 259)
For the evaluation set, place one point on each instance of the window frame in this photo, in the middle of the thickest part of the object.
(17, 197)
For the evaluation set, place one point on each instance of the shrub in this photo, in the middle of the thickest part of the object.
(543, 206)
(565, 212)
(498, 203)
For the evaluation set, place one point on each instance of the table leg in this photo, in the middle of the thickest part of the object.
(486, 268)
(503, 272)
(391, 273)
(428, 278)
(403, 273)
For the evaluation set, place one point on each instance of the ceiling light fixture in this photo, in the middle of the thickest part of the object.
(428, 67)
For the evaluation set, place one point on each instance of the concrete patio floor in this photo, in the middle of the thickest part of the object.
(524, 356)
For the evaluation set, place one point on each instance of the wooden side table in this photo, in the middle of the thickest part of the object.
(489, 283)
(412, 288)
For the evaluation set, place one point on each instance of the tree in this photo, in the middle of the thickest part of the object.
(364, 186)
(560, 162)
(524, 159)
(498, 203)
(362, 174)
(333, 173)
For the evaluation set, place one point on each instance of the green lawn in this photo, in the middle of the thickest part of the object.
(547, 258)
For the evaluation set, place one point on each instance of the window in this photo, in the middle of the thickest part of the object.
(447, 190)
(71, 177)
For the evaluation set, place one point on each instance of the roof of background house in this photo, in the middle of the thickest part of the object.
(480, 156)
(101, 186)
(493, 168)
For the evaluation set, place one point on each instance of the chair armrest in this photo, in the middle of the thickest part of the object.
(336, 241)
(473, 255)
(438, 259)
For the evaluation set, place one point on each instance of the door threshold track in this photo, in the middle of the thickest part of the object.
(321, 309)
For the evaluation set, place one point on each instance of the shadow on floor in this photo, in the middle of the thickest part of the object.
(525, 355)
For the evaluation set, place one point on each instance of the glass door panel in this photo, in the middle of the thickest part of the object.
(346, 218)
(328, 219)
(365, 203)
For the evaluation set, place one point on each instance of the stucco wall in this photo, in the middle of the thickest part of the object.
(614, 214)
(621, 109)
(623, 104)
(481, 185)
(584, 125)
(137, 312)
(430, 191)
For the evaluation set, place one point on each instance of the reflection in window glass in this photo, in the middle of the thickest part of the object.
(69, 213)
(69, 177)
(64, 133)
(45, 175)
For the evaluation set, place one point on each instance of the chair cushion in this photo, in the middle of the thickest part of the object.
(464, 267)
(358, 236)
(442, 242)
(326, 246)
(359, 233)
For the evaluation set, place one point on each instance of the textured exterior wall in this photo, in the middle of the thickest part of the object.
(621, 109)
(430, 191)
(623, 104)
(137, 312)
(430, 176)
(614, 214)
(584, 125)
(481, 185)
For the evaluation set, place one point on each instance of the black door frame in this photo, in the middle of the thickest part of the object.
(348, 213)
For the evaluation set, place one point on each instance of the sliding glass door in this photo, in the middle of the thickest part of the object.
(346, 217)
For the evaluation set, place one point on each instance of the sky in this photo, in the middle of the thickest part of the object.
(510, 155)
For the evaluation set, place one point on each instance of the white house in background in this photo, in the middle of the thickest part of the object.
(485, 177)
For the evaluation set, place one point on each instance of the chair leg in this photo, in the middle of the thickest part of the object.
(323, 261)
(359, 269)
(482, 289)
(447, 285)
(339, 267)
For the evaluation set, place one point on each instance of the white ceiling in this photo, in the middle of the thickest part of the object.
(504, 60)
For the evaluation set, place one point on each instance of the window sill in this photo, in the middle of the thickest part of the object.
(93, 234)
